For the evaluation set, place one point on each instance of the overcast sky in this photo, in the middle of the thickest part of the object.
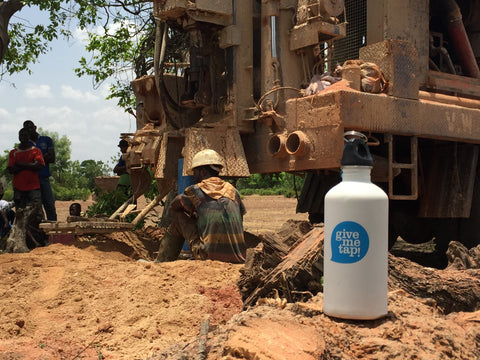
(55, 99)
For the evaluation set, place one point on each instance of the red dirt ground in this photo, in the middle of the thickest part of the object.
(100, 298)
(93, 299)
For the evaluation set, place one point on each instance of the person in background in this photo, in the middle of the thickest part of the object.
(120, 169)
(24, 162)
(75, 209)
(7, 215)
(45, 144)
(208, 215)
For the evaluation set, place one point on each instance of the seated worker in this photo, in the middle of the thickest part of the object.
(120, 169)
(208, 215)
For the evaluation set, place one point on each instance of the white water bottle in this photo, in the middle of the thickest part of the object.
(356, 240)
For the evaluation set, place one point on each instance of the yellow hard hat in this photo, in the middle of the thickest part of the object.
(207, 157)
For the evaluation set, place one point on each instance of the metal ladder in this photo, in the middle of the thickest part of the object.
(412, 167)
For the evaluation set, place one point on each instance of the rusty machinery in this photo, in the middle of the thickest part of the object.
(239, 88)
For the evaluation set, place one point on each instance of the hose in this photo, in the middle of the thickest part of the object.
(459, 39)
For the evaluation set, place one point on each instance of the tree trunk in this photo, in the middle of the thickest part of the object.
(451, 290)
(285, 263)
(290, 265)
(17, 240)
(7, 9)
(26, 233)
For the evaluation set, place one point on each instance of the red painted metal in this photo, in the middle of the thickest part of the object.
(459, 39)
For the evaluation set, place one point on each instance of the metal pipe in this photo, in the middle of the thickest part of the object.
(273, 36)
(269, 13)
(449, 99)
(277, 146)
(459, 39)
(298, 144)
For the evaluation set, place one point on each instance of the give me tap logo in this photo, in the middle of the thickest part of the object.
(349, 242)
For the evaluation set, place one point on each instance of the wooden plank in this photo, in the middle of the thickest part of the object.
(121, 208)
(85, 227)
(147, 209)
(128, 210)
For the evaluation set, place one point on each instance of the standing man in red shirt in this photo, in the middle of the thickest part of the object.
(24, 162)
(45, 144)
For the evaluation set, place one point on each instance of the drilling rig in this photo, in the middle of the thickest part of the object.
(273, 86)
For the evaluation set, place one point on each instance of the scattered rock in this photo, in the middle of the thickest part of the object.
(20, 323)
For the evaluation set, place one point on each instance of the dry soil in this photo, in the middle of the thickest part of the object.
(99, 297)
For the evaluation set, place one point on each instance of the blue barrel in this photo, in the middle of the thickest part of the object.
(183, 183)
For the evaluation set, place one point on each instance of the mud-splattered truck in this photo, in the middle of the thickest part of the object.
(273, 85)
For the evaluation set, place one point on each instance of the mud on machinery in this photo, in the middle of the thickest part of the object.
(405, 73)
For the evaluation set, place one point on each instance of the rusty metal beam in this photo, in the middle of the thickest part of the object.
(426, 119)
(439, 81)
(324, 117)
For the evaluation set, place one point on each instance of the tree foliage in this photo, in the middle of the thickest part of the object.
(5, 176)
(283, 183)
(28, 41)
(120, 39)
(62, 154)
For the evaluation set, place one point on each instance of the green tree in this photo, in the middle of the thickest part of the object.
(5, 176)
(125, 43)
(22, 43)
(90, 169)
(283, 183)
(78, 179)
(3, 165)
(62, 155)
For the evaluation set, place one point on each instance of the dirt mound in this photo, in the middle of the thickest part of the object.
(413, 329)
(141, 244)
(63, 302)
(101, 298)
(98, 298)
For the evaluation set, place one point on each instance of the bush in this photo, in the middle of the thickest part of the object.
(67, 194)
(246, 192)
(109, 202)
(286, 184)
(8, 195)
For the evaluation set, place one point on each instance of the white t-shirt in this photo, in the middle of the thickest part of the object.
(4, 204)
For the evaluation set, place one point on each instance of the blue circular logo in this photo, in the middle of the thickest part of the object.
(349, 242)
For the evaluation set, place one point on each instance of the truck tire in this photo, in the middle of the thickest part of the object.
(404, 222)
